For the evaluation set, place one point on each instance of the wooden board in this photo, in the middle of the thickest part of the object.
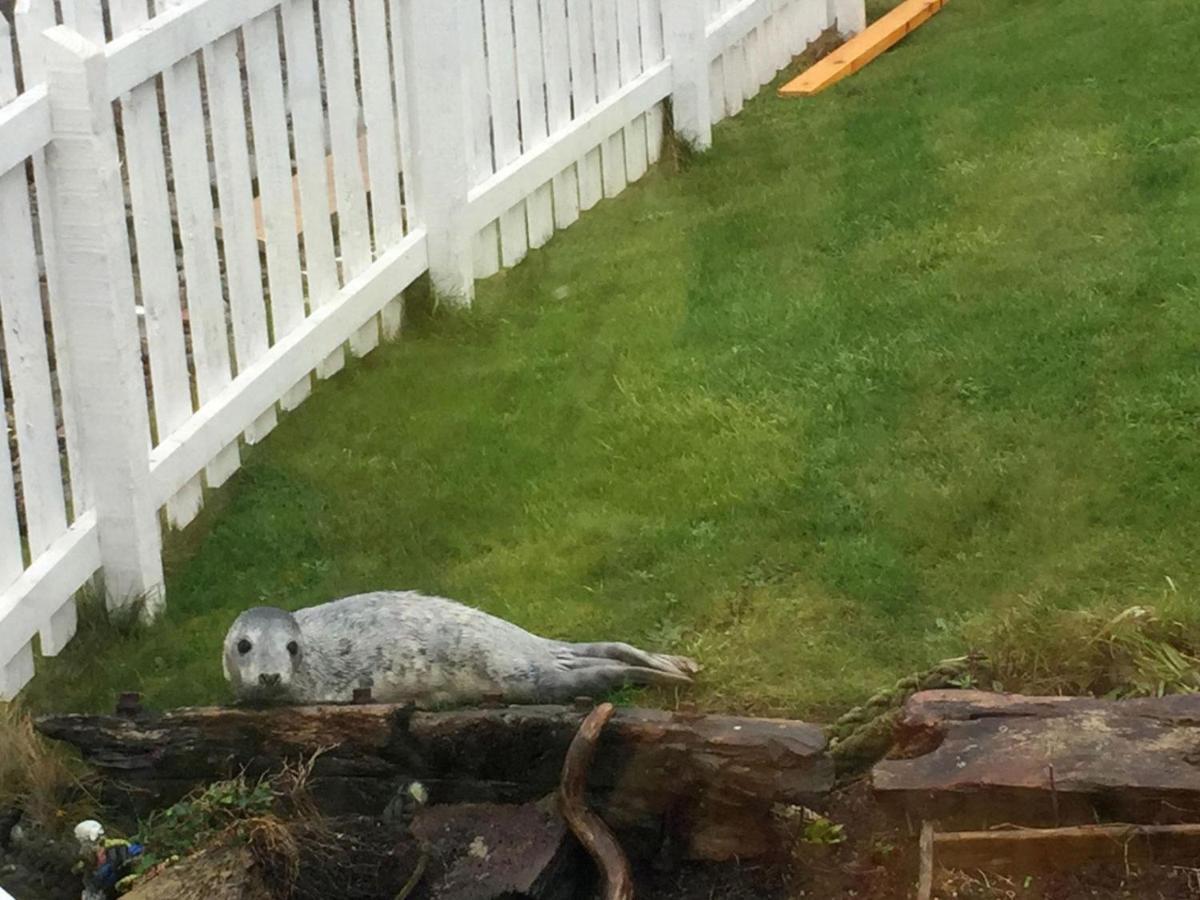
(984, 759)
(1026, 850)
(863, 48)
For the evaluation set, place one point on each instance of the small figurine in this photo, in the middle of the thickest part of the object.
(104, 862)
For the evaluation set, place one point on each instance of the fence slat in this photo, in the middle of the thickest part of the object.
(197, 234)
(608, 82)
(398, 24)
(337, 47)
(268, 117)
(379, 116)
(558, 105)
(85, 17)
(159, 280)
(502, 88)
(11, 560)
(17, 672)
(791, 36)
(247, 305)
(777, 37)
(391, 318)
(754, 59)
(809, 21)
(25, 347)
(475, 56)
(29, 366)
(312, 174)
(735, 79)
(716, 89)
(785, 24)
(653, 52)
(769, 34)
(580, 23)
(531, 93)
(629, 52)
(817, 20)
(487, 242)
(383, 157)
(849, 16)
(716, 75)
(11, 557)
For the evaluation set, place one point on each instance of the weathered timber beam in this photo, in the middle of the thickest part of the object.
(715, 778)
(984, 758)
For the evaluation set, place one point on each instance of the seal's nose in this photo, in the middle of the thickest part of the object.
(269, 680)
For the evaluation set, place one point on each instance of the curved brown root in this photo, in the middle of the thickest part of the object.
(588, 827)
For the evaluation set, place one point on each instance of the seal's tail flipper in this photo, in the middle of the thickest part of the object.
(624, 653)
(596, 677)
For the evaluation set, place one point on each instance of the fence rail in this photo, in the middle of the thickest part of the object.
(206, 204)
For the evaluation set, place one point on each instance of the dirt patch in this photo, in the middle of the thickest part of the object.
(879, 861)
(707, 881)
(1109, 882)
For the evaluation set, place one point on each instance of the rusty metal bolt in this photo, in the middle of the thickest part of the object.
(362, 696)
(129, 703)
(687, 712)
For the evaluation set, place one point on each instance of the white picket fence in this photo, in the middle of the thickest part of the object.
(204, 208)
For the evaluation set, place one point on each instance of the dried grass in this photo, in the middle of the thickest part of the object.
(39, 778)
(1135, 651)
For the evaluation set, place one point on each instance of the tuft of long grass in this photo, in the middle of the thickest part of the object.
(41, 780)
(1137, 651)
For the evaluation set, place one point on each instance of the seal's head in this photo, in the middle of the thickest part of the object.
(262, 651)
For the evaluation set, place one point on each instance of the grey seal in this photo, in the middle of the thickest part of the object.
(428, 651)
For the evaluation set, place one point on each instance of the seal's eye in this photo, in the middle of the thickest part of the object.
(293, 648)
(243, 646)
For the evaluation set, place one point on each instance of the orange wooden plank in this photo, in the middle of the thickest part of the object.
(857, 52)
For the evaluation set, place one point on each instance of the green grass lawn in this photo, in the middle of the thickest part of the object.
(884, 363)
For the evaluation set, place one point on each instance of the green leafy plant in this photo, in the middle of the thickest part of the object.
(202, 816)
(820, 830)
(808, 826)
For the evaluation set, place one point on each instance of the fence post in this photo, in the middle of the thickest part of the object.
(96, 281)
(685, 29)
(440, 138)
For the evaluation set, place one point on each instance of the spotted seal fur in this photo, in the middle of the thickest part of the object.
(428, 651)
